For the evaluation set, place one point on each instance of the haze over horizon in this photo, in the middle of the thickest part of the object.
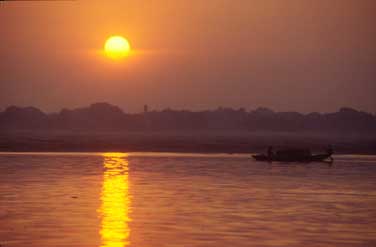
(293, 55)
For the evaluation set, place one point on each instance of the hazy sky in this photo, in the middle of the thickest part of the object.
(301, 55)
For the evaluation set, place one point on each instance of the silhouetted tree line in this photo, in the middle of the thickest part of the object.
(106, 117)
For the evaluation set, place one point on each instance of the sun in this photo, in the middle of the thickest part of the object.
(117, 47)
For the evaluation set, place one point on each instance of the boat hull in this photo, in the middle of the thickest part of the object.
(311, 158)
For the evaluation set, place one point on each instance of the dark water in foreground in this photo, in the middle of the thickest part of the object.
(142, 200)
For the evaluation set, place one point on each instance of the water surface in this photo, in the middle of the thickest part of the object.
(167, 199)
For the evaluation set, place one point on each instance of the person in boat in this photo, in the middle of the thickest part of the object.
(270, 152)
(329, 150)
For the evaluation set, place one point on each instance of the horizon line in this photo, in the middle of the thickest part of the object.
(185, 109)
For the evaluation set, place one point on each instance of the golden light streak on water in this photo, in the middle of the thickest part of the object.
(115, 201)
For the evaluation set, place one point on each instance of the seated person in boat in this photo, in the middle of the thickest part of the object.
(329, 150)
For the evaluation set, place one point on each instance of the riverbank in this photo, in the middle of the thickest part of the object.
(212, 142)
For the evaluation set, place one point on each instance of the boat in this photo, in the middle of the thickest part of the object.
(294, 155)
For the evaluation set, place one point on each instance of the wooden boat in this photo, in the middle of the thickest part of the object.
(294, 155)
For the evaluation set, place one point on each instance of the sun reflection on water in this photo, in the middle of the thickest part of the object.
(115, 201)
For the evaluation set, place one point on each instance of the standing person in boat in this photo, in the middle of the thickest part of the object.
(270, 153)
(329, 151)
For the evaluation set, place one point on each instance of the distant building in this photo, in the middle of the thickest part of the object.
(146, 108)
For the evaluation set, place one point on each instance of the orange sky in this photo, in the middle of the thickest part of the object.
(288, 55)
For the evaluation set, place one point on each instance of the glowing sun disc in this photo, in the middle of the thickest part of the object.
(117, 47)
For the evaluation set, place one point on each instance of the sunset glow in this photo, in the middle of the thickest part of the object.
(117, 47)
(174, 123)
